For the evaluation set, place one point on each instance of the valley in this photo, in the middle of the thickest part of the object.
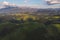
(28, 26)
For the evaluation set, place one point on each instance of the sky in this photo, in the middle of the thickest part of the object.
(33, 3)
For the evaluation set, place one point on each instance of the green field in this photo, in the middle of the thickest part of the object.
(29, 27)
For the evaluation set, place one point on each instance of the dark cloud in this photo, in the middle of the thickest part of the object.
(51, 2)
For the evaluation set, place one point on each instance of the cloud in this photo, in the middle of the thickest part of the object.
(25, 1)
(53, 1)
(31, 6)
(7, 3)
(47, 0)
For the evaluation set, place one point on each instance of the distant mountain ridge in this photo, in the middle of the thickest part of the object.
(11, 9)
(16, 9)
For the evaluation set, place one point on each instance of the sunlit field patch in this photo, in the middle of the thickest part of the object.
(57, 25)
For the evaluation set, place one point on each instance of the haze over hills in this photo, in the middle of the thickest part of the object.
(17, 9)
(12, 8)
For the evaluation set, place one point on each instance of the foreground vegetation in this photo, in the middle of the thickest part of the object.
(29, 27)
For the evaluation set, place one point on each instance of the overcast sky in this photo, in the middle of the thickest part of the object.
(34, 3)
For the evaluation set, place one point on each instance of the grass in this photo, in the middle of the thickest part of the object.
(57, 25)
(30, 29)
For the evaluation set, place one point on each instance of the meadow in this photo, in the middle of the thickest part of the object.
(29, 27)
